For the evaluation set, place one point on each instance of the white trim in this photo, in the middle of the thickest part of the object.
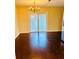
(53, 30)
(24, 32)
(45, 31)
(17, 35)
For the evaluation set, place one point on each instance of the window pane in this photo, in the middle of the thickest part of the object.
(42, 22)
(34, 23)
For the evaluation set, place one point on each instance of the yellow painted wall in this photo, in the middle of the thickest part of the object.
(54, 18)
(22, 18)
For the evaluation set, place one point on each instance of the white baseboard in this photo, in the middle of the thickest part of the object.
(17, 35)
(53, 30)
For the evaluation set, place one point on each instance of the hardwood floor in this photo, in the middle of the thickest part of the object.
(44, 46)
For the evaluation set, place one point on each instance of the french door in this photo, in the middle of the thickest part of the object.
(38, 30)
(38, 22)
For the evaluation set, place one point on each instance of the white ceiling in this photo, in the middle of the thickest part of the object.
(40, 2)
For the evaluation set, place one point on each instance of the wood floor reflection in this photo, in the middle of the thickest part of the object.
(44, 46)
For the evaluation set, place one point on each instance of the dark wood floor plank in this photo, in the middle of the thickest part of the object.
(53, 50)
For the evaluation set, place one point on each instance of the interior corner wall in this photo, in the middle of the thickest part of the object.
(22, 19)
(16, 26)
(54, 18)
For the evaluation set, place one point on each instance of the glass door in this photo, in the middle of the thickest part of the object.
(34, 23)
(38, 23)
(42, 22)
